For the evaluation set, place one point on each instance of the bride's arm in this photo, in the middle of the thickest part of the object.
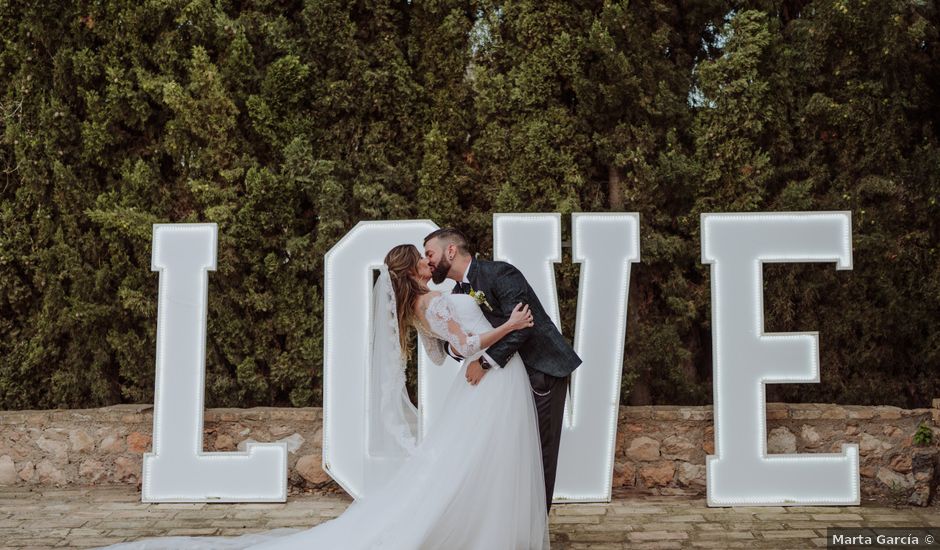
(518, 320)
(443, 322)
(435, 348)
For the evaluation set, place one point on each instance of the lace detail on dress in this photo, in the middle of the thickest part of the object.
(442, 320)
(433, 345)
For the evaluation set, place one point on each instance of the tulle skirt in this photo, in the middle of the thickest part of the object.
(474, 482)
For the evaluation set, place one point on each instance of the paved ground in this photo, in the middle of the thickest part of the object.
(88, 517)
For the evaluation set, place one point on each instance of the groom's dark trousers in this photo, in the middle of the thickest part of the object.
(548, 358)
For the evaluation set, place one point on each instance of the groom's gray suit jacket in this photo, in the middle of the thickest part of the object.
(542, 347)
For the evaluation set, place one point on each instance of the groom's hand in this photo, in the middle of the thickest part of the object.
(475, 373)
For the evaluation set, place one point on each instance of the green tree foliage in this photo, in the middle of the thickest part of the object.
(288, 122)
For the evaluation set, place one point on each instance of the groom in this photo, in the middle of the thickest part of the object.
(548, 358)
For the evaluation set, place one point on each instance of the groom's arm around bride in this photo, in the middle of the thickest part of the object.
(542, 347)
(508, 287)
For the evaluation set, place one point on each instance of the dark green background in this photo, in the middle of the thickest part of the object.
(286, 122)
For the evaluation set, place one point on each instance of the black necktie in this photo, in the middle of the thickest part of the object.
(462, 288)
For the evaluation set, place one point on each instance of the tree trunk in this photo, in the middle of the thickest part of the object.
(615, 189)
(640, 394)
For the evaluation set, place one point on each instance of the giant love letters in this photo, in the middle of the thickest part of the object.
(605, 245)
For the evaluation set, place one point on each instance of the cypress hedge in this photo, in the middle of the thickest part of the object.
(287, 122)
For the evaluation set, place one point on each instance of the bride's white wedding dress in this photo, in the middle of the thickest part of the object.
(474, 482)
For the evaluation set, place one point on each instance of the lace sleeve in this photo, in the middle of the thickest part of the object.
(434, 346)
(442, 319)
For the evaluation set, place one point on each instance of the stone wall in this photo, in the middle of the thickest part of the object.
(660, 449)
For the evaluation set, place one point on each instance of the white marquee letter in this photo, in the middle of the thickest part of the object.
(348, 268)
(745, 358)
(178, 470)
(605, 245)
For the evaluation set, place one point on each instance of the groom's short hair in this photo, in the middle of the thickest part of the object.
(451, 235)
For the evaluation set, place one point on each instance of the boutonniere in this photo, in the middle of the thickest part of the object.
(480, 299)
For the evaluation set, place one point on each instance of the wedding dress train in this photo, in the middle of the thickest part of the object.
(474, 482)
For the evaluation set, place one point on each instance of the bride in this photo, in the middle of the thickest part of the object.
(475, 481)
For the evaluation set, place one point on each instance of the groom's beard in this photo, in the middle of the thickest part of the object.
(440, 271)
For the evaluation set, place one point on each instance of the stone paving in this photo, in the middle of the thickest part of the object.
(34, 517)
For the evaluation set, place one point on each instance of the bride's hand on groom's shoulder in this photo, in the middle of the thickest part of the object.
(521, 317)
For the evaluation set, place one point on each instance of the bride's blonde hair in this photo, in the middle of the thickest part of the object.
(402, 262)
